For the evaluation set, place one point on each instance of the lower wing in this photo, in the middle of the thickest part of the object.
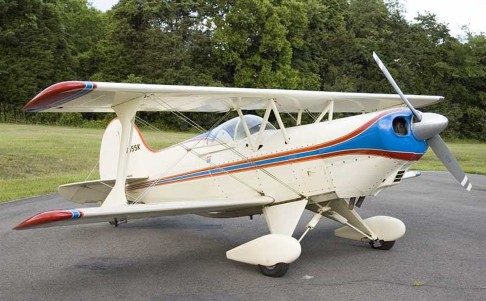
(64, 217)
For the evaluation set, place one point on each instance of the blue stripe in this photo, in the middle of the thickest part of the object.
(75, 214)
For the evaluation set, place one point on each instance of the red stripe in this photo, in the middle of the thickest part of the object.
(46, 217)
(55, 93)
(139, 134)
(380, 153)
(143, 140)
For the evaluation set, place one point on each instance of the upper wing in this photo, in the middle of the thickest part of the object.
(100, 214)
(77, 96)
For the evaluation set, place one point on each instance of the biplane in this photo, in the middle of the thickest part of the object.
(247, 166)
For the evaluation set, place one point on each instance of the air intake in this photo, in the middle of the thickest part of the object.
(399, 176)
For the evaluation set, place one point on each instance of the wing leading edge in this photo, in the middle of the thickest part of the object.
(78, 96)
(64, 217)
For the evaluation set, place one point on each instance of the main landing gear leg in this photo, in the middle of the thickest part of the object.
(313, 222)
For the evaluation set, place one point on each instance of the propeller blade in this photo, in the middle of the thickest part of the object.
(444, 154)
(382, 66)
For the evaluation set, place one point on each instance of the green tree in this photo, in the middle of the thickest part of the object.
(325, 60)
(34, 50)
(84, 27)
(162, 42)
(293, 44)
(255, 41)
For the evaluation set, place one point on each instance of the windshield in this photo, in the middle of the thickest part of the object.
(254, 123)
(224, 131)
(233, 129)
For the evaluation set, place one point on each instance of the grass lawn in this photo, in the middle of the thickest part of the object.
(35, 159)
(469, 154)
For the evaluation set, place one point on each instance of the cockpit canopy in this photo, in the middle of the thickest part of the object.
(233, 129)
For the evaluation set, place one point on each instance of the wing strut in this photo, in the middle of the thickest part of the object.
(126, 113)
(271, 106)
(247, 130)
(264, 124)
(299, 118)
(328, 109)
(279, 121)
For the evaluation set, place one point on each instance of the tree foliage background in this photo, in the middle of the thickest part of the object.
(290, 44)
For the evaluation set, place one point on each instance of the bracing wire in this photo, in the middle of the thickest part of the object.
(201, 129)
(228, 147)
(190, 149)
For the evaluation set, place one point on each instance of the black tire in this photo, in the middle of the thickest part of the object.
(275, 271)
(385, 245)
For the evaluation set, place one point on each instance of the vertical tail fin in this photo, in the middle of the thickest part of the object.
(139, 152)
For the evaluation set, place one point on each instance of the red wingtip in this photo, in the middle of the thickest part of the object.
(58, 94)
(48, 217)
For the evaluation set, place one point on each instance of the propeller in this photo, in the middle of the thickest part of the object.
(427, 126)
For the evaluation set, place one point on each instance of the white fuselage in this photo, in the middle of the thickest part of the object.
(325, 158)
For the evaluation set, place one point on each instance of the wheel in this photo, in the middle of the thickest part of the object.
(384, 245)
(276, 271)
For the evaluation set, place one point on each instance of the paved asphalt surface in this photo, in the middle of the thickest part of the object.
(441, 257)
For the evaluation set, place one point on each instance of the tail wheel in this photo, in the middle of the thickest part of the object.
(382, 245)
(277, 270)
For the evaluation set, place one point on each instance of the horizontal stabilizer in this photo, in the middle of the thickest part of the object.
(91, 191)
(125, 212)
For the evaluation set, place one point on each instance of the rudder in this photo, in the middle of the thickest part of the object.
(110, 144)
